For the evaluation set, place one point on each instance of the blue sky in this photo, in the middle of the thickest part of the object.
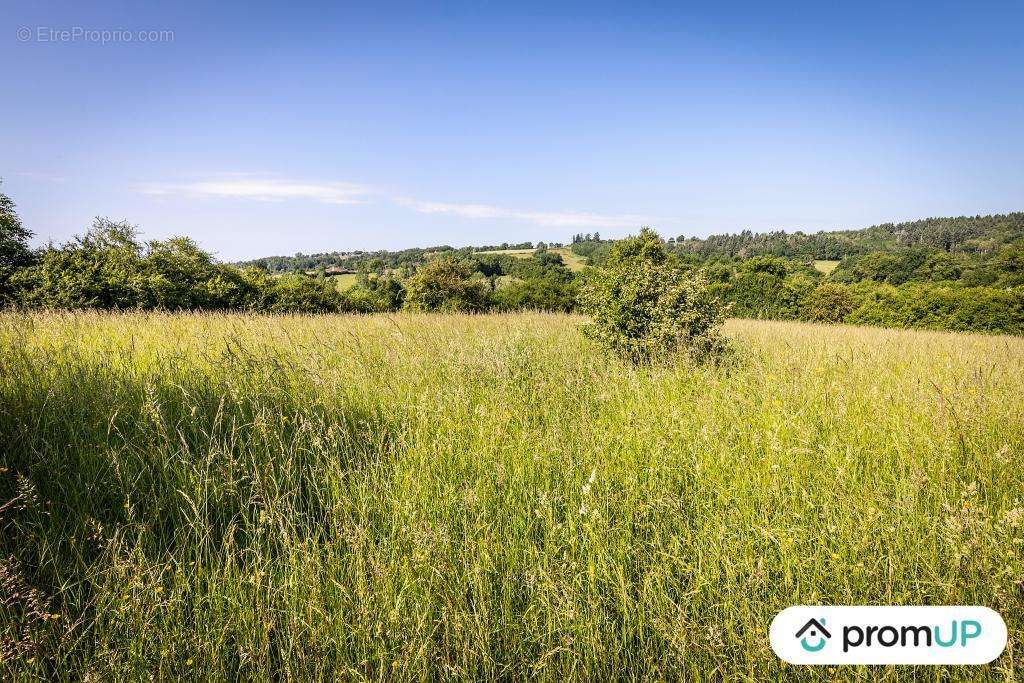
(271, 129)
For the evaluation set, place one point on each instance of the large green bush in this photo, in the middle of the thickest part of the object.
(445, 284)
(646, 307)
(298, 293)
(110, 268)
(828, 303)
(540, 294)
(102, 269)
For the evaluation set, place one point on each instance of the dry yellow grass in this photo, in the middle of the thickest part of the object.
(826, 267)
(573, 262)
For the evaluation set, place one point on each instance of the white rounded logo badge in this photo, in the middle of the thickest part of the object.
(887, 635)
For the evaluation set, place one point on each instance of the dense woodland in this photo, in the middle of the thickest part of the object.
(964, 273)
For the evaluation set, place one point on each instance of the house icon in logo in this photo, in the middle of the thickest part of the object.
(814, 629)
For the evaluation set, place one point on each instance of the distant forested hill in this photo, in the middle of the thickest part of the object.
(970, 234)
(371, 261)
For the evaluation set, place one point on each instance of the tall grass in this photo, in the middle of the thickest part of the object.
(467, 497)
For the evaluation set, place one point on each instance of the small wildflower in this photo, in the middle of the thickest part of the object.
(590, 482)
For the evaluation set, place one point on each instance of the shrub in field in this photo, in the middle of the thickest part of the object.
(828, 303)
(445, 284)
(548, 258)
(646, 307)
(180, 275)
(542, 294)
(366, 297)
(102, 269)
(388, 291)
(297, 293)
(110, 268)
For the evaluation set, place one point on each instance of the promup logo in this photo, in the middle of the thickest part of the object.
(888, 635)
(817, 630)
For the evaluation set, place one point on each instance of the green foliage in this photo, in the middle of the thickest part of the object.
(101, 269)
(943, 307)
(766, 265)
(296, 293)
(14, 251)
(542, 294)
(963, 233)
(445, 284)
(828, 303)
(549, 258)
(182, 276)
(758, 290)
(767, 287)
(594, 251)
(646, 307)
(109, 268)
(1009, 263)
(388, 291)
(893, 268)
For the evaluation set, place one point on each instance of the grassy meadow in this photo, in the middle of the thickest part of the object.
(826, 267)
(573, 262)
(464, 497)
(345, 280)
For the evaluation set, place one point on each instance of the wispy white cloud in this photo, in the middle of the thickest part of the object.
(277, 189)
(555, 219)
(264, 189)
(462, 210)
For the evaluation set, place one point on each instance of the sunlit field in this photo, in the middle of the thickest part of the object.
(573, 262)
(345, 280)
(463, 497)
(825, 267)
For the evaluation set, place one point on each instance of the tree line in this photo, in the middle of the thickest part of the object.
(977, 235)
(960, 274)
